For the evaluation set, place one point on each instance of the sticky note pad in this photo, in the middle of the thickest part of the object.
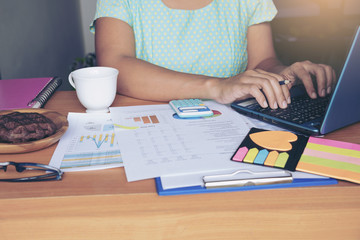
(281, 149)
(331, 158)
(335, 159)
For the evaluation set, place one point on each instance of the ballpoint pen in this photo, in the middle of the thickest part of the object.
(284, 82)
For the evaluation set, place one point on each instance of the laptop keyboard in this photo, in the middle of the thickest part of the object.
(302, 109)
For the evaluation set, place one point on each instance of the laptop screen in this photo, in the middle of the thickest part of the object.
(344, 106)
(341, 110)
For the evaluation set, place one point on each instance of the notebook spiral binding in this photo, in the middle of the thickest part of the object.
(46, 92)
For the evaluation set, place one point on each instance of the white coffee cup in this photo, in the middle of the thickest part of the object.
(95, 87)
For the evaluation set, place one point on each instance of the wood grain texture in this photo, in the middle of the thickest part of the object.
(103, 205)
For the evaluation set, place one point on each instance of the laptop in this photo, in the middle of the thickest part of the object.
(316, 116)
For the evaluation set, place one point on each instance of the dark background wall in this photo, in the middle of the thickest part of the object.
(316, 30)
(39, 38)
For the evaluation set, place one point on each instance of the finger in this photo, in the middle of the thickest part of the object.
(260, 88)
(283, 77)
(246, 90)
(269, 92)
(256, 92)
(250, 90)
(330, 78)
(321, 81)
(333, 84)
(261, 83)
(286, 92)
(281, 94)
(305, 77)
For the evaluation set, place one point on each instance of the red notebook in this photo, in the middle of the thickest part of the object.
(27, 92)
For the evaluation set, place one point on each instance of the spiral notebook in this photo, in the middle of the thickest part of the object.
(27, 92)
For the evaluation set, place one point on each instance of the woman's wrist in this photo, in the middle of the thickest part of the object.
(212, 89)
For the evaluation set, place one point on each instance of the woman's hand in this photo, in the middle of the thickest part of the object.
(324, 75)
(261, 85)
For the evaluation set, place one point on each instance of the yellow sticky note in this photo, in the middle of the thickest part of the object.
(251, 155)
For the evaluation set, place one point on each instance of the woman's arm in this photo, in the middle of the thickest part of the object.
(262, 56)
(115, 47)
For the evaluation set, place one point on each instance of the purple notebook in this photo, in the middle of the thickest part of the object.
(27, 92)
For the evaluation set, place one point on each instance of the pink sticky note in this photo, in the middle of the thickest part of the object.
(334, 143)
(240, 154)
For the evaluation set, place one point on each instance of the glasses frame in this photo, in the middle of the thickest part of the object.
(52, 173)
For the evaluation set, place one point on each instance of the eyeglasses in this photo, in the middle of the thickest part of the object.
(51, 173)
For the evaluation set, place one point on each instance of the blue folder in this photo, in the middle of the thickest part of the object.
(297, 182)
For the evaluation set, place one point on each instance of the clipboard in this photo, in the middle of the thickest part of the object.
(245, 177)
(234, 182)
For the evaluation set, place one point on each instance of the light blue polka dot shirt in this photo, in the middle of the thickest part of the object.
(208, 41)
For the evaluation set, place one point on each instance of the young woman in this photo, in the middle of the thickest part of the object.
(208, 49)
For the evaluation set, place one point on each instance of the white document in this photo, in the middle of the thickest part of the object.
(88, 144)
(196, 178)
(153, 142)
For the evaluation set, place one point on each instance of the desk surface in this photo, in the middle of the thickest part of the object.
(103, 205)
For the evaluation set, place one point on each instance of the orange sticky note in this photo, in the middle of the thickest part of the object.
(274, 140)
(271, 159)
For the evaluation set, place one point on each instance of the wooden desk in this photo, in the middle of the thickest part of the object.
(102, 205)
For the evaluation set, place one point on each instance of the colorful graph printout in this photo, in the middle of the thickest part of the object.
(99, 140)
(331, 158)
(147, 119)
(88, 144)
(106, 153)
